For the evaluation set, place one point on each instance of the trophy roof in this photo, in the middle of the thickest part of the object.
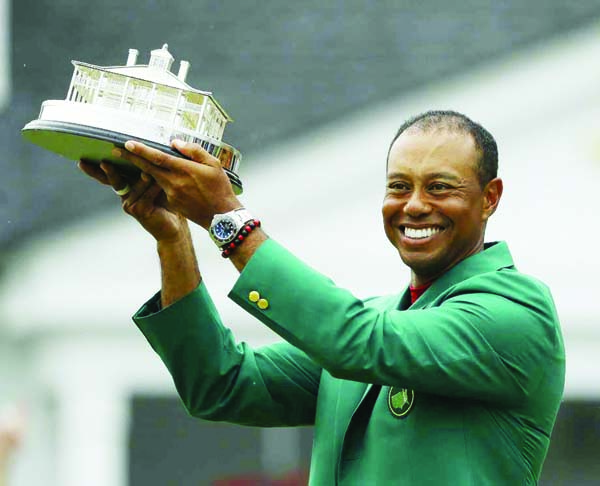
(146, 73)
(154, 75)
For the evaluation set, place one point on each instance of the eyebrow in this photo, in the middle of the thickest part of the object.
(435, 175)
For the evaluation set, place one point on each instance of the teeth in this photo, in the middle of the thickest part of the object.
(420, 233)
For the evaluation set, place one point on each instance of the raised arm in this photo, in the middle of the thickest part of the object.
(216, 378)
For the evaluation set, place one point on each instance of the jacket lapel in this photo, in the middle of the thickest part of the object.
(400, 303)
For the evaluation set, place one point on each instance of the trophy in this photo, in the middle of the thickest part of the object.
(106, 106)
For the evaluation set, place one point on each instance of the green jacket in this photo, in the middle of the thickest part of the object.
(461, 388)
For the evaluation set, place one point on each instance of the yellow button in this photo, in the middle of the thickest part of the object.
(253, 296)
(263, 304)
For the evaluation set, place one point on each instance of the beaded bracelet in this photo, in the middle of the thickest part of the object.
(239, 238)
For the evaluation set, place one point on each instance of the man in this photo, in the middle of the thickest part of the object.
(456, 380)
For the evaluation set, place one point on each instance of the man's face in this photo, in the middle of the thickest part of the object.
(434, 210)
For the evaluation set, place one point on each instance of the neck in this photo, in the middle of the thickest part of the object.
(421, 280)
(417, 281)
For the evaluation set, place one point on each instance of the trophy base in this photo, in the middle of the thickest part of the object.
(75, 142)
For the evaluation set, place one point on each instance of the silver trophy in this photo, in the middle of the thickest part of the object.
(106, 106)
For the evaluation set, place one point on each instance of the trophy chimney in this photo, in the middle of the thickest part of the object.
(132, 58)
(184, 67)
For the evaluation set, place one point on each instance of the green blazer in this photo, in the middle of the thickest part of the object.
(461, 388)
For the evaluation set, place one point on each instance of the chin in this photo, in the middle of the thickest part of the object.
(422, 265)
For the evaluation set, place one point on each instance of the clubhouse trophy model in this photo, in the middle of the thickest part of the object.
(106, 106)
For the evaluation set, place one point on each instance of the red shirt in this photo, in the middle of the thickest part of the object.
(416, 292)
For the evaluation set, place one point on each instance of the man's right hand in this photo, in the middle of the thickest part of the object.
(146, 201)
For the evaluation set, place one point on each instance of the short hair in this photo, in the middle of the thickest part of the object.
(487, 165)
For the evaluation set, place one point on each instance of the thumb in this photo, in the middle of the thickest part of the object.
(195, 152)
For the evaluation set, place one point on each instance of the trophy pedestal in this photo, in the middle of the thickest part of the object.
(75, 142)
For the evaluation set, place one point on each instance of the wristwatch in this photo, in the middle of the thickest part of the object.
(225, 227)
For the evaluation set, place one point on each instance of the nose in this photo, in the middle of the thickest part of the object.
(417, 205)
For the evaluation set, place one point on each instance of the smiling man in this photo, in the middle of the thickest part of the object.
(455, 380)
(441, 190)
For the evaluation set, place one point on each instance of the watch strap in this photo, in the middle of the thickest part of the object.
(244, 215)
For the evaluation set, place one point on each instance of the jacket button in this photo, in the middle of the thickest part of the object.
(253, 296)
(263, 304)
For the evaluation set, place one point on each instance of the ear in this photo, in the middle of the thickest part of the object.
(491, 197)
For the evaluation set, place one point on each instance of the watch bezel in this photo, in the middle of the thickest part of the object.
(221, 221)
(238, 217)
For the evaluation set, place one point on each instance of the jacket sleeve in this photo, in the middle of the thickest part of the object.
(477, 343)
(220, 380)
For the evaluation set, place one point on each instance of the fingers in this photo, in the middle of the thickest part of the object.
(150, 160)
(112, 175)
(133, 191)
(141, 202)
(139, 199)
(94, 171)
(195, 152)
(138, 190)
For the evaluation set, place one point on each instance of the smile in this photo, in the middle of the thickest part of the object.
(420, 233)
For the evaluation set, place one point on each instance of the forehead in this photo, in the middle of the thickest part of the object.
(417, 152)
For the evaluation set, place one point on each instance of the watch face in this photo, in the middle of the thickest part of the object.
(224, 230)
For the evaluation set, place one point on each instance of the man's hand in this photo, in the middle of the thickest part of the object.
(145, 201)
(197, 188)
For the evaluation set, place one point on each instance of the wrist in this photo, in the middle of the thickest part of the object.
(224, 206)
(242, 255)
(181, 236)
(177, 243)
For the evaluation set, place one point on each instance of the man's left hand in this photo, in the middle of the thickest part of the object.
(197, 188)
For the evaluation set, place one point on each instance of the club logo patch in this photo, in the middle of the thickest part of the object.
(400, 401)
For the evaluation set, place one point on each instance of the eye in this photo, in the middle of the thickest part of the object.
(439, 186)
(398, 186)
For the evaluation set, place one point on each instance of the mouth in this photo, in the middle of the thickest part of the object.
(420, 234)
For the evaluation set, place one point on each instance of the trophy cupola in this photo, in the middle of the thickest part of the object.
(161, 58)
